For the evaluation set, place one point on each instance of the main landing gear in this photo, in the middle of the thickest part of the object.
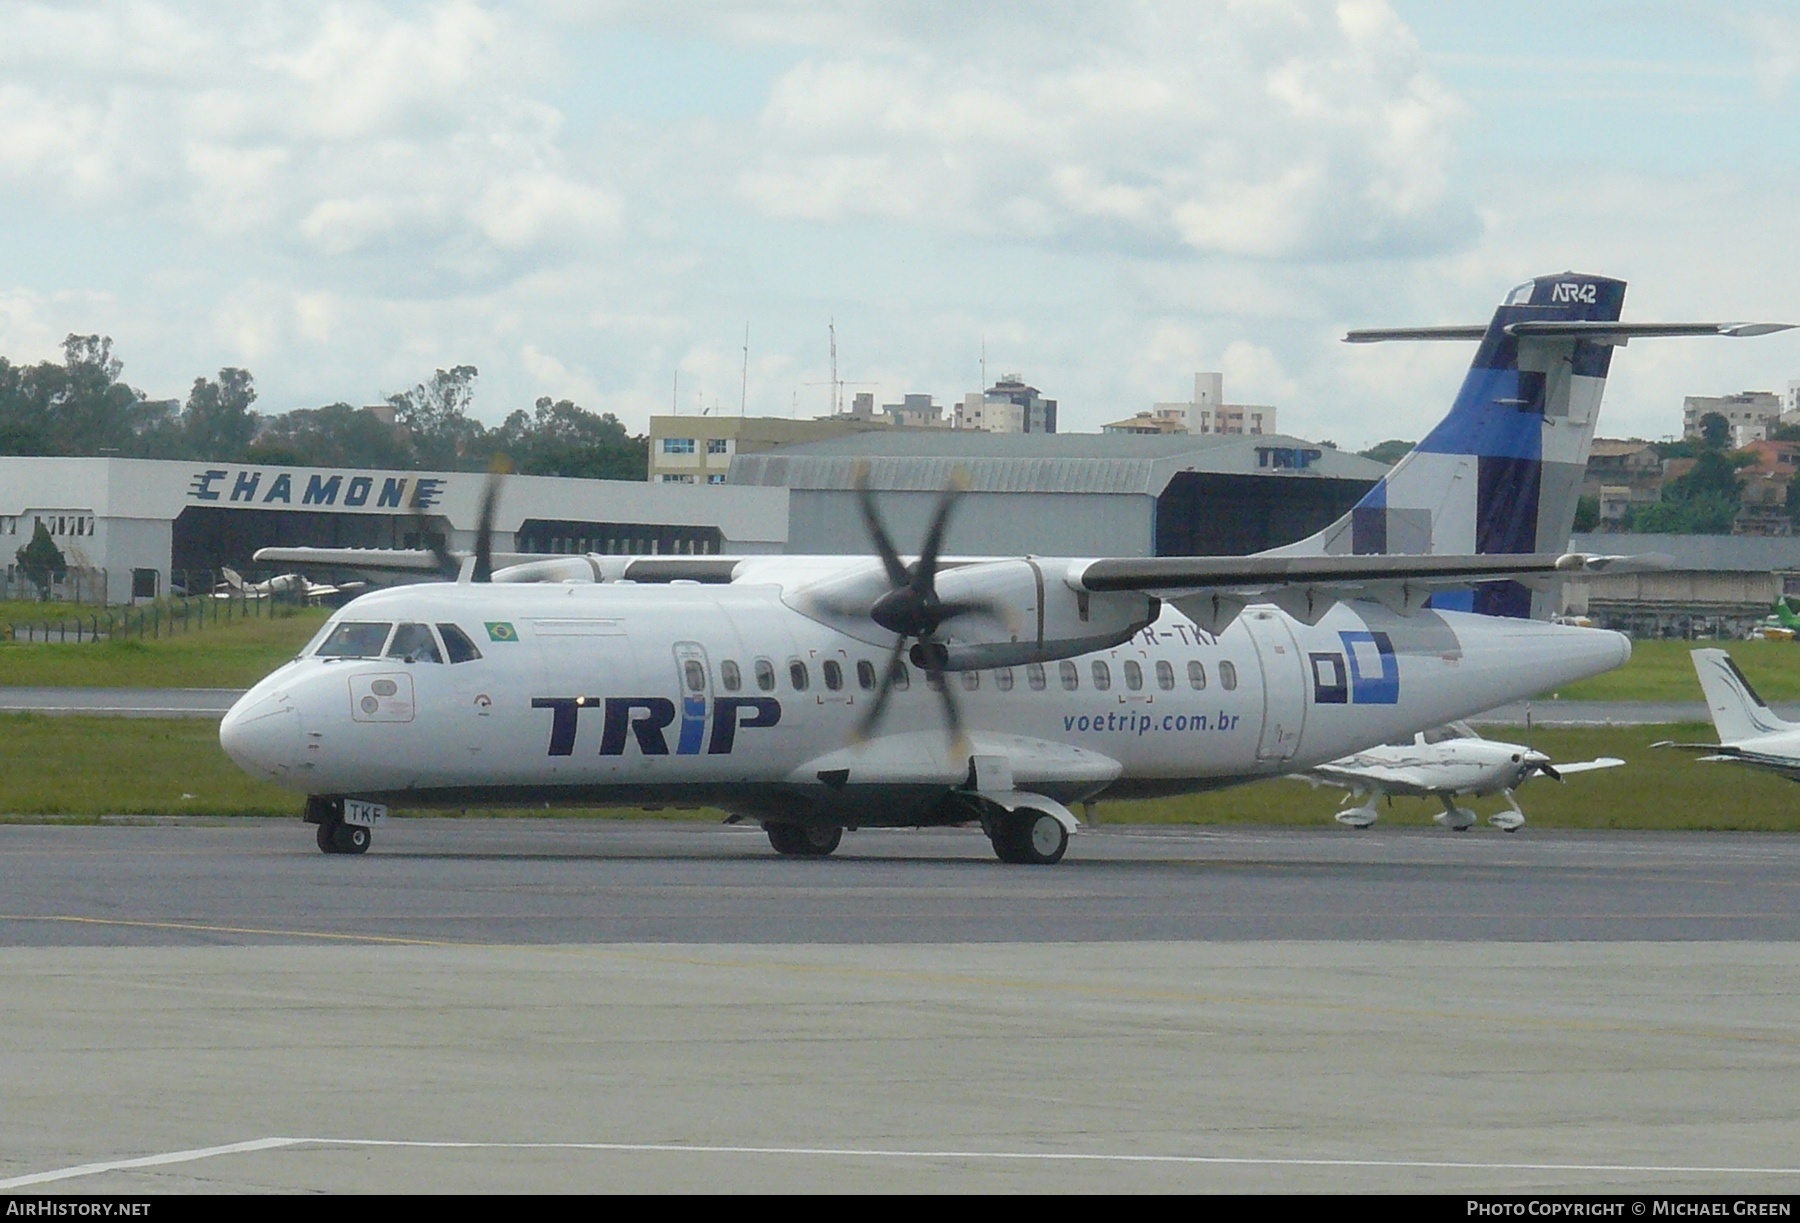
(335, 836)
(1027, 838)
(804, 840)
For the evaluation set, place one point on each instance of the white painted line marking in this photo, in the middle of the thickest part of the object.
(680, 1148)
(148, 1161)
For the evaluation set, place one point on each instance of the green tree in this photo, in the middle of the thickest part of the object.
(1388, 452)
(561, 438)
(436, 418)
(41, 561)
(217, 423)
(336, 435)
(1587, 513)
(1705, 501)
(1715, 431)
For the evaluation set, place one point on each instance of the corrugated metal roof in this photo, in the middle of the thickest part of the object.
(926, 460)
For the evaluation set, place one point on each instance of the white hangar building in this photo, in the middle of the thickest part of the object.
(1065, 494)
(149, 523)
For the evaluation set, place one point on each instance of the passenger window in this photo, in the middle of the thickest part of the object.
(765, 675)
(1165, 674)
(693, 675)
(1003, 678)
(1196, 675)
(971, 680)
(1034, 675)
(730, 678)
(798, 675)
(865, 675)
(902, 678)
(1134, 676)
(355, 639)
(1102, 675)
(1227, 676)
(414, 643)
(834, 675)
(1071, 678)
(457, 644)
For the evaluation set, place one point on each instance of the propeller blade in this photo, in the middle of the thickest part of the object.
(924, 575)
(952, 714)
(872, 718)
(448, 565)
(865, 500)
(1549, 770)
(484, 529)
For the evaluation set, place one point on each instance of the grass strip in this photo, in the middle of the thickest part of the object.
(75, 767)
(232, 655)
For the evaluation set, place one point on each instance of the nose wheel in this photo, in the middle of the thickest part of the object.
(342, 838)
(334, 836)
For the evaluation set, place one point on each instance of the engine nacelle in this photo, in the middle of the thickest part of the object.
(1032, 614)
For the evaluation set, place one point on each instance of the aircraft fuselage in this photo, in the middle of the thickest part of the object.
(621, 694)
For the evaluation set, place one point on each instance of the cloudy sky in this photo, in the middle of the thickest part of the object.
(583, 198)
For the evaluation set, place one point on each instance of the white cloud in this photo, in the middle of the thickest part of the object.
(352, 130)
(1274, 130)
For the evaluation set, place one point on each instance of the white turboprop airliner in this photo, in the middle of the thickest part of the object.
(814, 694)
(1749, 731)
(1443, 763)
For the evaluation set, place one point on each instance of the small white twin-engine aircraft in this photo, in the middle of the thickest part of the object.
(1749, 731)
(1443, 763)
(236, 587)
(818, 693)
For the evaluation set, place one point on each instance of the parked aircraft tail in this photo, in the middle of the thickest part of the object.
(1502, 472)
(1738, 712)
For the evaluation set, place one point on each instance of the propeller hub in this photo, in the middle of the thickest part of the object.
(907, 612)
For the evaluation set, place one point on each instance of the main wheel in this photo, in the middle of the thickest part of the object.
(349, 839)
(804, 840)
(1029, 838)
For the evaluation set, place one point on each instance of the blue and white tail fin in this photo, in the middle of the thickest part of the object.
(1502, 472)
(1738, 713)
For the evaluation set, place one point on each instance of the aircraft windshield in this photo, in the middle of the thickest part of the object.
(354, 639)
(414, 643)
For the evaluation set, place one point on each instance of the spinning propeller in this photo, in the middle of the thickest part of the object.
(911, 608)
(448, 563)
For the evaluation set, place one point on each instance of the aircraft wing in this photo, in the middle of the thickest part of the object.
(1588, 766)
(1387, 778)
(1211, 590)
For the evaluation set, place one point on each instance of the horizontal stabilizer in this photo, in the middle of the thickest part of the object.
(1375, 335)
(1595, 331)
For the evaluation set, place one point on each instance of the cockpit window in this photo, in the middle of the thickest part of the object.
(414, 643)
(1444, 734)
(354, 639)
(457, 644)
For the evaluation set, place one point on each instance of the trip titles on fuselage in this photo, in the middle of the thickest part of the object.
(645, 718)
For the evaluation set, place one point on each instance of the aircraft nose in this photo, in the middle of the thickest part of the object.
(261, 733)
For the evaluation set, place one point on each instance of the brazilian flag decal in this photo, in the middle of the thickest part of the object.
(501, 630)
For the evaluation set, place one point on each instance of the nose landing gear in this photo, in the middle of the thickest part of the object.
(335, 836)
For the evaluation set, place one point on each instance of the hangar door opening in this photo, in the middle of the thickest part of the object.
(206, 537)
(1206, 514)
